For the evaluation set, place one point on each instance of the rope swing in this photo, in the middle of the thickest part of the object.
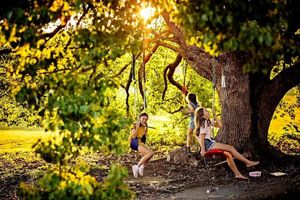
(144, 65)
(184, 72)
(213, 93)
(134, 85)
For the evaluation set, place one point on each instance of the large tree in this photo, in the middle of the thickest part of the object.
(251, 39)
(243, 40)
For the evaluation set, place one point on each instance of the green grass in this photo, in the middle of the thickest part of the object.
(276, 129)
(19, 140)
(277, 125)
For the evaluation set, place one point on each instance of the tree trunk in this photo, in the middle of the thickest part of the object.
(265, 101)
(235, 104)
(234, 98)
(247, 103)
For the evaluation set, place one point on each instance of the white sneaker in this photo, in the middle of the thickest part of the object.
(135, 171)
(141, 170)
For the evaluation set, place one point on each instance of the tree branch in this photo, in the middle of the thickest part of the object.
(200, 60)
(125, 66)
(283, 82)
(127, 91)
(169, 72)
(54, 32)
(142, 68)
(170, 46)
(85, 11)
(270, 95)
(174, 29)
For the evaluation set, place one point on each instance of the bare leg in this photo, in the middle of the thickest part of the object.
(198, 140)
(233, 167)
(147, 155)
(189, 137)
(235, 154)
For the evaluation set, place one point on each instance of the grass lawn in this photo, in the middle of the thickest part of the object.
(19, 140)
(276, 130)
(277, 125)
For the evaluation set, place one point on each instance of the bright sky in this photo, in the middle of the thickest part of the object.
(53, 25)
(147, 12)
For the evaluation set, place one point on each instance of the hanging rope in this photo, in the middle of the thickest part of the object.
(213, 94)
(144, 70)
(184, 72)
(136, 113)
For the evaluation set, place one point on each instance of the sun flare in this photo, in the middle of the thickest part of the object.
(147, 12)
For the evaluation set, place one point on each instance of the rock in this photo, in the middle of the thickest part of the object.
(178, 156)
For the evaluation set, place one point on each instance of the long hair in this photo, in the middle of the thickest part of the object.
(143, 114)
(199, 119)
(191, 97)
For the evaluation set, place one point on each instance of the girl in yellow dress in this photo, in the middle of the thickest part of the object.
(137, 140)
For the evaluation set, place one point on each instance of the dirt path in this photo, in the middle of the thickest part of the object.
(165, 180)
(263, 189)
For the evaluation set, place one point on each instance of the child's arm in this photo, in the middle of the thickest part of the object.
(191, 108)
(146, 130)
(202, 137)
(134, 130)
(216, 122)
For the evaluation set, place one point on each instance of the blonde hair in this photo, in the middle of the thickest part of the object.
(199, 120)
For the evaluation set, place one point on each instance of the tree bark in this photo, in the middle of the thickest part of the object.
(235, 104)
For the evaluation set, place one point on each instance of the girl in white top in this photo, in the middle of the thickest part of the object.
(202, 130)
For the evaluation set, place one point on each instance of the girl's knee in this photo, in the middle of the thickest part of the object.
(230, 148)
(228, 155)
(151, 154)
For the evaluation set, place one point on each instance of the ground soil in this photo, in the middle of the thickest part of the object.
(190, 179)
(185, 180)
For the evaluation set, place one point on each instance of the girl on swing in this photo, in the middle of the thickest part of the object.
(137, 140)
(192, 105)
(202, 130)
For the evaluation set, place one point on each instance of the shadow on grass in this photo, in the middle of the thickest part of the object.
(10, 184)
